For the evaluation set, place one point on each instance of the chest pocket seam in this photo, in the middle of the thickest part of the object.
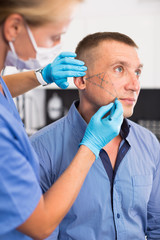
(142, 180)
(142, 186)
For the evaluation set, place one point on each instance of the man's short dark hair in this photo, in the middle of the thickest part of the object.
(93, 40)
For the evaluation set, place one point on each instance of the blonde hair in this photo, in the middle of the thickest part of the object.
(36, 12)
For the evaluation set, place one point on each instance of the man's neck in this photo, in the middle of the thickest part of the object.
(114, 142)
(112, 149)
(86, 111)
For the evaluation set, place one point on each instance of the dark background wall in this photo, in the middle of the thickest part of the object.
(147, 110)
(146, 113)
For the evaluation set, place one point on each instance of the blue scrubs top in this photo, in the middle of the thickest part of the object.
(19, 171)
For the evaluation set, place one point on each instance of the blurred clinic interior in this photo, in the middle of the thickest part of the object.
(138, 19)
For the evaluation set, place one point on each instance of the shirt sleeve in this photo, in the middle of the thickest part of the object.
(19, 191)
(153, 214)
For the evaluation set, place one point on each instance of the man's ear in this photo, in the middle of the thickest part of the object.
(12, 27)
(80, 82)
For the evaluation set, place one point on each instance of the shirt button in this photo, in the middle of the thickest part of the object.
(118, 215)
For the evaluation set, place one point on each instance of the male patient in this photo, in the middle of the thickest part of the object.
(120, 198)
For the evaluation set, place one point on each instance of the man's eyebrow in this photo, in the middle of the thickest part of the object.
(140, 65)
(126, 64)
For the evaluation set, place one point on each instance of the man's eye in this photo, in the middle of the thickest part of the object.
(119, 69)
(138, 72)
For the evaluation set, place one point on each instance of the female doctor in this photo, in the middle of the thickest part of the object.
(26, 28)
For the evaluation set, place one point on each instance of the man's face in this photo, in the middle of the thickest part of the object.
(114, 72)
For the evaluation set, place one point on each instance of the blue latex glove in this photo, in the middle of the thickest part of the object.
(62, 67)
(101, 131)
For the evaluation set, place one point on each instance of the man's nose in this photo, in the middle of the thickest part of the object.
(133, 82)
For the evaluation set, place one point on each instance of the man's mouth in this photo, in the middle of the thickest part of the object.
(128, 100)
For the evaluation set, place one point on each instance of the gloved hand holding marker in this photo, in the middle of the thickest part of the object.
(100, 130)
(61, 68)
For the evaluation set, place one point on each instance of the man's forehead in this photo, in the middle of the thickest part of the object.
(113, 47)
(114, 52)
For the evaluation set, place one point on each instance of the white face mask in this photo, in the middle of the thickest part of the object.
(43, 56)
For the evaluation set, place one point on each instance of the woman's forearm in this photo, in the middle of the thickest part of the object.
(20, 83)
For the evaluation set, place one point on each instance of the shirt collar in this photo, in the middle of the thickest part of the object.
(125, 128)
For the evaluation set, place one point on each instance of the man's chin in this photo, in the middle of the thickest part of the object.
(127, 114)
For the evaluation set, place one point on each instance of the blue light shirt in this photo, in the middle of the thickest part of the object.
(19, 187)
(120, 204)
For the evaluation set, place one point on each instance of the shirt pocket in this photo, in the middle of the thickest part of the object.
(142, 186)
